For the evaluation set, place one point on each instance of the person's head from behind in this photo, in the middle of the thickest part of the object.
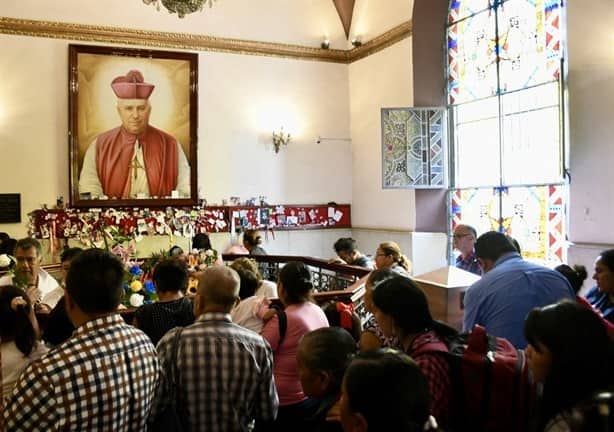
(576, 275)
(170, 275)
(177, 253)
(94, 285)
(16, 320)
(294, 284)
(28, 256)
(491, 246)
(564, 340)
(375, 278)
(342, 315)
(384, 390)
(201, 241)
(251, 239)
(604, 272)
(249, 282)
(464, 238)
(388, 254)
(218, 290)
(401, 307)
(247, 264)
(66, 258)
(346, 249)
(322, 357)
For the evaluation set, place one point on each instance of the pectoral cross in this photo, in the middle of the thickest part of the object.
(135, 165)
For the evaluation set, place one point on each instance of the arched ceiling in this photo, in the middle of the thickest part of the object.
(297, 22)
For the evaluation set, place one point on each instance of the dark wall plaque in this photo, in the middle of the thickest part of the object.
(10, 208)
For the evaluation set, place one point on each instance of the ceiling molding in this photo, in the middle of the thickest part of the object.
(122, 36)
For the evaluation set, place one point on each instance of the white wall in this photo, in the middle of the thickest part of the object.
(591, 89)
(378, 81)
(242, 99)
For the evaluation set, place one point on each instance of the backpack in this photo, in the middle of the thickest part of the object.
(491, 389)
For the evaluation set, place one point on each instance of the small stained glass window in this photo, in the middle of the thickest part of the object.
(413, 147)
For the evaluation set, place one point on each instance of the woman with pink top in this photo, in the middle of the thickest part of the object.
(294, 288)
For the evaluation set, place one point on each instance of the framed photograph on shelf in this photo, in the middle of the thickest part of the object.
(132, 127)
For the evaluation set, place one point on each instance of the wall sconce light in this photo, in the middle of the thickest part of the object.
(279, 139)
(356, 42)
(325, 44)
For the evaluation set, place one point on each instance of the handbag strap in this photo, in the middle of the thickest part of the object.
(174, 378)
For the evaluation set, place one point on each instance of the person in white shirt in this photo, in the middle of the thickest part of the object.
(42, 289)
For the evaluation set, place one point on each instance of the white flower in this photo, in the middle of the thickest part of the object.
(136, 300)
(5, 260)
(208, 252)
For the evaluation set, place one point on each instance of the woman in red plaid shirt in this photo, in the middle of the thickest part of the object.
(401, 310)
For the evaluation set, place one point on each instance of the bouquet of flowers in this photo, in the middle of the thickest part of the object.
(138, 289)
(199, 260)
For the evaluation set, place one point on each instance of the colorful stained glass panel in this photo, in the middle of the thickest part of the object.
(460, 9)
(413, 143)
(472, 58)
(529, 43)
(534, 216)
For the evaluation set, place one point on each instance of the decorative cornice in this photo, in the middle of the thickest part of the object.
(122, 36)
(381, 42)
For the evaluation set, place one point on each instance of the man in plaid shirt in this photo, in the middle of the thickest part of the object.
(225, 372)
(101, 379)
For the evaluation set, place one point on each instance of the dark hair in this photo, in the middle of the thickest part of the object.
(70, 253)
(514, 243)
(345, 244)
(389, 389)
(379, 275)
(576, 275)
(201, 242)
(170, 275)
(328, 349)
(175, 251)
(407, 304)
(9, 246)
(252, 238)
(15, 325)
(95, 281)
(333, 314)
(607, 258)
(296, 280)
(249, 282)
(27, 243)
(492, 245)
(578, 341)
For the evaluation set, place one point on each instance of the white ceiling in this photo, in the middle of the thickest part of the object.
(298, 22)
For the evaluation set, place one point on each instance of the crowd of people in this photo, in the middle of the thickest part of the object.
(248, 354)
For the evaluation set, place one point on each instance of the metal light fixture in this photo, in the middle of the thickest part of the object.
(181, 7)
(279, 139)
(325, 44)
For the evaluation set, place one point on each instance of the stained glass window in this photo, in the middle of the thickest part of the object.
(532, 215)
(504, 95)
(413, 144)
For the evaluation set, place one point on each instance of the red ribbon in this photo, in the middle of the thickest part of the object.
(346, 316)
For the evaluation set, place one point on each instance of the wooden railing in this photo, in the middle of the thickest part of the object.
(332, 282)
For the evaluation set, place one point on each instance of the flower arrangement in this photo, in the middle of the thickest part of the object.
(6, 261)
(199, 260)
(138, 288)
